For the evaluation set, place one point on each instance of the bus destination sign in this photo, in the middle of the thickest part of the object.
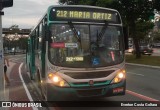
(83, 15)
(86, 15)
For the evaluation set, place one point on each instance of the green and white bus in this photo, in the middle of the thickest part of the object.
(78, 52)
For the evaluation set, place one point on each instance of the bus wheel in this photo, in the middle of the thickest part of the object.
(49, 96)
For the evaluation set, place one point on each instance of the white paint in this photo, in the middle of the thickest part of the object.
(25, 87)
(135, 74)
(147, 66)
(141, 96)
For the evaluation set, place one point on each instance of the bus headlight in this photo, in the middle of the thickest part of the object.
(119, 77)
(58, 81)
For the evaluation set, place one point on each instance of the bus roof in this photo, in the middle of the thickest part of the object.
(80, 7)
(87, 6)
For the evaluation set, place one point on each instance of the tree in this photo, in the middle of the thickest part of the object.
(132, 11)
(156, 4)
(23, 43)
(156, 36)
(14, 39)
(135, 13)
(143, 28)
(86, 2)
(69, 2)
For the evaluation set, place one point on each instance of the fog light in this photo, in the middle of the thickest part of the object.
(61, 83)
(116, 80)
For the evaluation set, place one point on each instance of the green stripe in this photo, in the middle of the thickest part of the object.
(85, 85)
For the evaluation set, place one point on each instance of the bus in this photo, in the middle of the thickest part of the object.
(76, 52)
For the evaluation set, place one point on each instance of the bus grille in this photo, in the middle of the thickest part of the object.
(86, 84)
(93, 92)
(89, 75)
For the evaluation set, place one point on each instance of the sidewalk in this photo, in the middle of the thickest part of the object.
(9, 69)
(16, 91)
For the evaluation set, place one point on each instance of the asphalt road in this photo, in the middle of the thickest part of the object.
(142, 85)
(144, 80)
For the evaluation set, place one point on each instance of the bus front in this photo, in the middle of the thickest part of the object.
(85, 53)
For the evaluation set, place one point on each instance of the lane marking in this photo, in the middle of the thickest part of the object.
(35, 87)
(25, 87)
(141, 96)
(15, 59)
(135, 74)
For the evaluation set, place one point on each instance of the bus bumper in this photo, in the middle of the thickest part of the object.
(55, 93)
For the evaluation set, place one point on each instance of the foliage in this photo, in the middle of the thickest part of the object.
(14, 40)
(129, 9)
(143, 28)
(101, 3)
(156, 4)
(134, 14)
(14, 29)
(69, 2)
(23, 43)
(156, 36)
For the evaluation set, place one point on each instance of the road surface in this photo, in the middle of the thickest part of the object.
(142, 85)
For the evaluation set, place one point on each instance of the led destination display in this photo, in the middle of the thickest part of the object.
(83, 14)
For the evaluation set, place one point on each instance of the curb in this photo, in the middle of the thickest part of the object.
(150, 66)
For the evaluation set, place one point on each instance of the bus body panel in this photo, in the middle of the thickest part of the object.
(55, 93)
(83, 89)
(31, 59)
(41, 66)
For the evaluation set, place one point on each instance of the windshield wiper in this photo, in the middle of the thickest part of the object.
(103, 30)
(75, 33)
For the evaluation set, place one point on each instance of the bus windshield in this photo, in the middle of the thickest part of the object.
(84, 45)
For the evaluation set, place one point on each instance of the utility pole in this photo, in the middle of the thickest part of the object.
(3, 4)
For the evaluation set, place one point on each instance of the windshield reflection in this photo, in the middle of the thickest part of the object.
(83, 49)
